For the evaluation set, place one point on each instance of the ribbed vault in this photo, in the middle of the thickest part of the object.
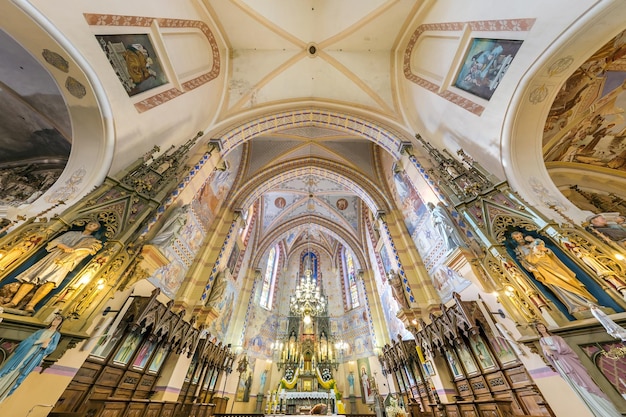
(341, 234)
(266, 180)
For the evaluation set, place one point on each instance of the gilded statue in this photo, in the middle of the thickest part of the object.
(546, 267)
(64, 254)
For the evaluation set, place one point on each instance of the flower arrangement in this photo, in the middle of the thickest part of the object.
(394, 410)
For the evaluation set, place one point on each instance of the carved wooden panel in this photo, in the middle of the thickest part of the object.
(533, 403)
(135, 410)
(168, 410)
(88, 372)
(130, 380)
(497, 382)
(141, 395)
(146, 382)
(110, 377)
(468, 410)
(113, 410)
(479, 385)
(100, 393)
(518, 377)
(123, 393)
(71, 397)
(153, 410)
(452, 411)
(463, 388)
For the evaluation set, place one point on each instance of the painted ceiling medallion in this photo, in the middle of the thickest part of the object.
(75, 87)
(56, 60)
(280, 203)
(560, 66)
(538, 95)
(342, 204)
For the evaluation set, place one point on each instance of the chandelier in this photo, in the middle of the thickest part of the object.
(308, 300)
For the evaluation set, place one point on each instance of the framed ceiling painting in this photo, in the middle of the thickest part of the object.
(484, 65)
(134, 60)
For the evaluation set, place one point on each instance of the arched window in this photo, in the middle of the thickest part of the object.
(352, 294)
(269, 279)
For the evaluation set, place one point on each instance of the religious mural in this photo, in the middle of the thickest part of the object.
(435, 234)
(212, 194)
(485, 64)
(222, 299)
(409, 201)
(586, 122)
(447, 281)
(179, 239)
(134, 60)
(35, 128)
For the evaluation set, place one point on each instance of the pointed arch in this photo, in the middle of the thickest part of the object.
(385, 137)
(328, 226)
(357, 183)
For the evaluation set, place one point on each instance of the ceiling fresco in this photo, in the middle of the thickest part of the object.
(35, 128)
(586, 124)
(585, 131)
(348, 64)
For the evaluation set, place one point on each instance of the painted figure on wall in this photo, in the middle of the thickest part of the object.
(28, 355)
(134, 60)
(568, 365)
(64, 254)
(445, 226)
(613, 227)
(171, 228)
(485, 64)
(544, 265)
(127, 349)
(351, 384)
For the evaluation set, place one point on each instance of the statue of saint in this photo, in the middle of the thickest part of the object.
(535, 257)
(16, 252)
(445, 226)
(65, 253)
(566, 363)
(351, 384)
(29, 355)
(171, 228)
(397, 289)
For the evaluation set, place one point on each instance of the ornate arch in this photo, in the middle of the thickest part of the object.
(350, 124)
(357, 183)
(522, 133)
(341, 234)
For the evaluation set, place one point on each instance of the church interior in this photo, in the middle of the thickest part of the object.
(360, 207)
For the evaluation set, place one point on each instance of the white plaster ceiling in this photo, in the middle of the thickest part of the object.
(271, 59)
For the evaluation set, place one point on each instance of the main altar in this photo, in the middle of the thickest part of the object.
(307, 355)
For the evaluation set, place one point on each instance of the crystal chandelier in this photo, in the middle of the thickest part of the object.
(308, 301)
